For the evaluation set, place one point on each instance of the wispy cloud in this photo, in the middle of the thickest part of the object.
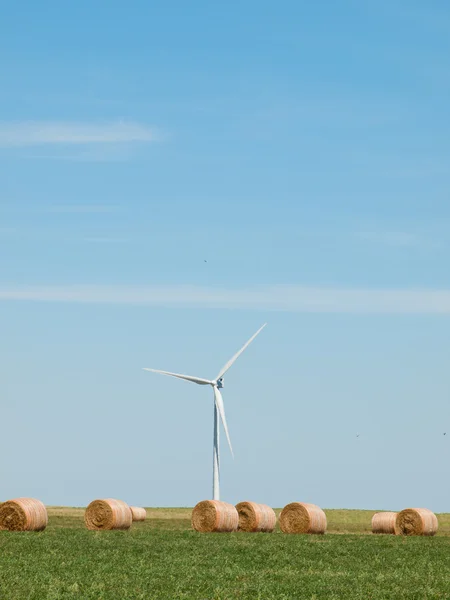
(38, 133)
(289, 298)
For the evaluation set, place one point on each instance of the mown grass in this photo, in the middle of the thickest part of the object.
(163, 559)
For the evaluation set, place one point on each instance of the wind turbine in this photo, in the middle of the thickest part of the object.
(219, 410)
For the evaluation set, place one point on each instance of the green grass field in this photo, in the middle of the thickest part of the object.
(163, 558)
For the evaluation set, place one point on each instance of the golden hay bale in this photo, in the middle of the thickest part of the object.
(301, 517)
(138, 513)
(384, 522)
(102, 515)
(214, 516)
(23, 514)
(416, 521)
(256, 517)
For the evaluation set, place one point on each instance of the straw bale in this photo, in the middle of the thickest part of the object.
(301, 517)
(23, 514)
(102, 515)
(214, 516)
(384, 522)
(255, 517)
(416, 521)
(138, 513)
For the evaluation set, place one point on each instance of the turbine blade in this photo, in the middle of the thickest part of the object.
(219, 403)
(236, 356)
(186, 377)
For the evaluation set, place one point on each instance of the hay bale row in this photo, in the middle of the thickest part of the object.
(23, 514)
(29, 514)
(411, 521)
(298, 517)
(302, 518)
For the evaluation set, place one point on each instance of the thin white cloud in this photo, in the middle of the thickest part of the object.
(37, 133)
(290, 298)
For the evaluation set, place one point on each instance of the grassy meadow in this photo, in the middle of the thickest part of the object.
(163, 558)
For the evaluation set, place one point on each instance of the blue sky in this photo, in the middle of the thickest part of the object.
(302, 150)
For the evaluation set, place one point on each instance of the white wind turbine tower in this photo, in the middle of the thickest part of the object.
(219, 409)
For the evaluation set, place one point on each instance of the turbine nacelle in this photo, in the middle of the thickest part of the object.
(218, 383)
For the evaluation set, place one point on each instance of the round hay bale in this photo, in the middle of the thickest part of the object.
(214, 516)
(384, 522)
(255, 517)
(138, 513)
(301, 517)
(23, 514)
(416, 521)
(103, 515)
